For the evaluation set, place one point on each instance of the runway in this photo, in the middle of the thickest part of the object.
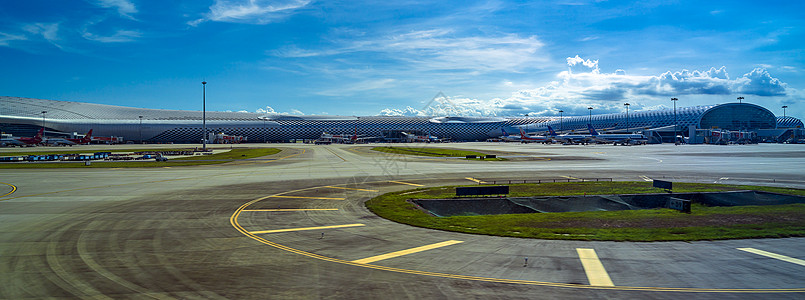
(296, 227)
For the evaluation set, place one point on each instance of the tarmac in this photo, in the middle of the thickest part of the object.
(294, 226)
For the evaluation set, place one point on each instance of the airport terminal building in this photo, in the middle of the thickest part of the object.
(25, 116)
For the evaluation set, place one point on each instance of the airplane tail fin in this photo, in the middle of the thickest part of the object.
(550, 130)
(522, 133)
(592, 130)
(504, 132)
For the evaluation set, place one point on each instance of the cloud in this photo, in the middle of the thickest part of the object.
(118, 37)
(124, 7)
(759, 82)
(48, 31)
(583, 85)
(270, 111)
(250, 11)
(437, 50)
(5, 38)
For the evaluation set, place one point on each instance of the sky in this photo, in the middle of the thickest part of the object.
(482, 58)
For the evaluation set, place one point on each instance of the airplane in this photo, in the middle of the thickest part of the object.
(8, 140)
(525, 138)
(625, 139)
(84, 140)
(509, 138)
(569, 138)
(421, 138)
(23, 141)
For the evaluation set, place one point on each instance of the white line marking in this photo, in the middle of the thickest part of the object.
(775, 256)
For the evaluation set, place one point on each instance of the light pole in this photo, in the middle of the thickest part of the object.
(526, 123)
(674, 100)
(43, 122)
(784, 107)
(627, 117)
(141, 129)
(591, 115)
(561, 121)
(739, 99)
(204, 116)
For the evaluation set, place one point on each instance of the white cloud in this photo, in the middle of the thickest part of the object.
(270, 111)
(118, 37)
(124, 7)
(583, 85)
(440, 50)
(250, 11)
(5, 38)
(48, 31)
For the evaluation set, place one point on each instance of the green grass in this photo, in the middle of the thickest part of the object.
(434, 152)
(219, 158)
(704, 223)
(82, 151)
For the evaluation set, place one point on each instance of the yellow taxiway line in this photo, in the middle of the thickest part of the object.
(405, 252)
(302, 197)
(569, 177)
(292, 209)
(305, 228)
(473, 179)
(346, 188)
(400, 182)
(596, 273)
(13, 189)
(233, 220)
(775, 256)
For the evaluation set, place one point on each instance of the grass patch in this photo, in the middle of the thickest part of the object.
(434, 152)
(219, 158)
(84, 151)
(704, 223)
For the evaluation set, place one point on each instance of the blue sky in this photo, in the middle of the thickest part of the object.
(503, 58)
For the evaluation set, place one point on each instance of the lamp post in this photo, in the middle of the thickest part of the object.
(674, 100)
(141, 129)
(43, 122)
(204, 115)
(627, 116)
(739, 99)
(561, 120)
(784, 107)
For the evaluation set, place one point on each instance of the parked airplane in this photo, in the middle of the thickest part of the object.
(57, 141)
(509, 138)
(628, 138)
(569, 138)
(84, 140)
(525, 138)
(8, 140)
(24, 141)
(421, 138)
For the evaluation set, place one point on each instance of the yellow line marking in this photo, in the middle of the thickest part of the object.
(473, 179)
(305, 228)
(13, 189)
(596, 273)
(346, 188)
(233, 220)
(301, 197)
(292, 209)
(400, 182)
(775, 256)
(333, 152)
(645, 178)
(568, 177)
(405, 252)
